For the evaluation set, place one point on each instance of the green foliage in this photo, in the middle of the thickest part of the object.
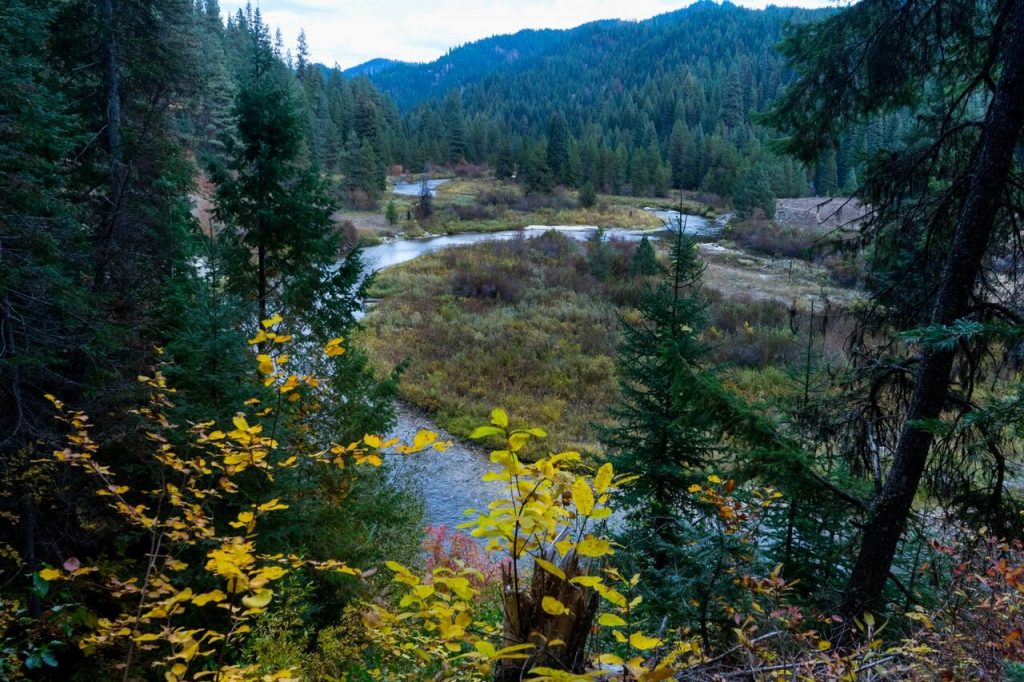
(588, 196)
(662, 432)
(523, 320)
(644, 262)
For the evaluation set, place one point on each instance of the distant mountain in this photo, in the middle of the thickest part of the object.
(629, 107)
(615, 50)
(412, 83)
(374, 66)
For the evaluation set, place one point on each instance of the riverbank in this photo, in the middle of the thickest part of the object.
(461, 206)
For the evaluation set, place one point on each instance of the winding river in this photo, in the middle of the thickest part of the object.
(449, 482)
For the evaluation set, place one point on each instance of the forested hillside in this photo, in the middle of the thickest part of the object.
(628, 107)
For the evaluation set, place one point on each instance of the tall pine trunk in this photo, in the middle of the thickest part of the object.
(990, 169)
(112, 234)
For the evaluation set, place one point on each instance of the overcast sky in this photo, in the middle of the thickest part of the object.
(350, 32)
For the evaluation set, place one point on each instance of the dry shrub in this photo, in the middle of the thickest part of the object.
(360, 200)
(489, 282)
(499, 196)
(465, 169)
(473, 212)
(349, 235)
(778, 241)
(454, 551)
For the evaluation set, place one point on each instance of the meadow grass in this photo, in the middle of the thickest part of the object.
(526, 325)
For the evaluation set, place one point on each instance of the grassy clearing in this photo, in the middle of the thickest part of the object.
(488, 205)
(527, 326)
(520, 324)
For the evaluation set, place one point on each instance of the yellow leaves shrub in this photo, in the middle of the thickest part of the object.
(547, 514)
(176, 518)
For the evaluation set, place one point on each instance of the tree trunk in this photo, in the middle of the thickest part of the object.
(262, 283)
(112, 234)
(990, 169)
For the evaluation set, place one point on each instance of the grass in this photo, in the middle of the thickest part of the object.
(519, 324)
(525, 325)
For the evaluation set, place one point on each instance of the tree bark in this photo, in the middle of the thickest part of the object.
(112, 235)
(261, 256)
(990, 168)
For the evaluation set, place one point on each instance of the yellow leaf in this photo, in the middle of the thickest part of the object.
(258, 599)
(553, 606)
(176, 672)
(265, 363)
(603, 478)
(511, 652)
(550, 568)
(714, 479)
(639, 640)
(276, 319)
(423, 438)
(824, 645)
(272, 505)
(517, 440)
(334, 348)
(372, 441)
(423, 591)
(583, 497)
(609, 659)
(587, 580)
(485, 648)
(610, 620)
(593, 547)
(203, 599)
(49, 574)
(499, 418)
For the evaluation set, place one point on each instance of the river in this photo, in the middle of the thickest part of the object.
(450, 482)
(414, 189)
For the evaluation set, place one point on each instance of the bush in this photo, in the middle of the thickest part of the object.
(588, 196)
(771, 239)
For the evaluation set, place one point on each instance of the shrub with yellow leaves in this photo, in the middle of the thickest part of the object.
(156, 625)
(547, 530)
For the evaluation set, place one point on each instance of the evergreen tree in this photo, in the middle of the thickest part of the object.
(680, 148)
(558, 159)
(944, 227)
(644, 262)
(504, 165)
(663, 431)
(588, 196)
(455, 127)
(755, 192)
(271, 204)
(538, 173)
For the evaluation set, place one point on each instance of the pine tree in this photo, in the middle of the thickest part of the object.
(662, 432)
(644, 262)
(558, 159)
(960, 207)
(455, 127)
(588, 196)
(269, 201)
(504, 164)
(302, 56)
(538, 173)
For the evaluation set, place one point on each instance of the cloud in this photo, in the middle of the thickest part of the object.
(349, 32)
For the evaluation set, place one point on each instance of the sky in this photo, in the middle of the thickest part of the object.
(350, 32)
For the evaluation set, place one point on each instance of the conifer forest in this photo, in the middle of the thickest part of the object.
(687, 347)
